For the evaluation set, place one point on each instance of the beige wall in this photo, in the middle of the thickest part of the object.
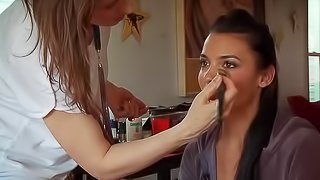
(148, 69)
(292, 57)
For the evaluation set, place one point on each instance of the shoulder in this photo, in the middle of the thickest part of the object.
(292, 135)
(302, 144)
(293, 132)
(15, 30)
(16, 13)
(303, 135)
(293, 150)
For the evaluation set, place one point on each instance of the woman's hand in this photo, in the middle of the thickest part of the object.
(123, 103)
(204, 109)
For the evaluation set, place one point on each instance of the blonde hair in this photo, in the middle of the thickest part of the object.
(62, 34)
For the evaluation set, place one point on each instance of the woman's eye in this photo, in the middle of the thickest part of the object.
(228, 64)
(204, 63)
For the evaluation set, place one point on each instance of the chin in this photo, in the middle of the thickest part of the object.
(115, 23)
(107, 22)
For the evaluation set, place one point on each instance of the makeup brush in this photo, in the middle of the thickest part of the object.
(221, 92)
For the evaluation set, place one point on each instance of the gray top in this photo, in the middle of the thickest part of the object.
(293, 153)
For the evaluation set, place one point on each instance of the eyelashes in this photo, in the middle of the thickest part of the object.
(204, 63)
(227, 64)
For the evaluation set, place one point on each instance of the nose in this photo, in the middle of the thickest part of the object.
(211, 74)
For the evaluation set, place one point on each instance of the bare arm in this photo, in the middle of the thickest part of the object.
(81, 137)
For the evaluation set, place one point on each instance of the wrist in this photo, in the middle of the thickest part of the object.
(183, 132)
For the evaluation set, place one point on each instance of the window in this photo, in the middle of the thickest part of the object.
(4, 4)
(314, 49)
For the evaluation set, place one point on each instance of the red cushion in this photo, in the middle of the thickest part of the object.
(301, 107)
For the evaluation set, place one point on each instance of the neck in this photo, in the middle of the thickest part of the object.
(235, 126)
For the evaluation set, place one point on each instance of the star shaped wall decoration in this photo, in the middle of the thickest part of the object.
(133, 23)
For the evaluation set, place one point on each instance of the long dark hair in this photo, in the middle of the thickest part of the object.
(261, 41)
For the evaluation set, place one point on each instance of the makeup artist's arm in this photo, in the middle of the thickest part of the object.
(81, 137)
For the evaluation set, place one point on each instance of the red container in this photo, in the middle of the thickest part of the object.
(165, 121)
(160, 124)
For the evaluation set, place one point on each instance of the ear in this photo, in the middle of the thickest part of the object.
(266, 77)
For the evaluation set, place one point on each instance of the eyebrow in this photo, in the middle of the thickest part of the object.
(221, 57)
(229, 57)
(203, 56)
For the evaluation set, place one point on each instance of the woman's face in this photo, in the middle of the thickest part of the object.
(231, 52)
(110, 12)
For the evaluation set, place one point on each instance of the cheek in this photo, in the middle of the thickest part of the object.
(102, 17)
(244, 76)
(240, 78)
(246, 84)
(105, 17)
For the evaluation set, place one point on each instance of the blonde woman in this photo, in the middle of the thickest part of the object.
(49, 117)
